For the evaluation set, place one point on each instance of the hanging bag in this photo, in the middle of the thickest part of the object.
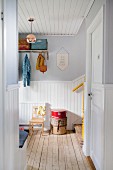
(38, 62)
(43, 67)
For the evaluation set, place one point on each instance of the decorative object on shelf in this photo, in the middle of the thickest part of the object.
(40, 44)
(40, 64)
(23, 44)
(62, 59)
(31, 37)
(26, 71)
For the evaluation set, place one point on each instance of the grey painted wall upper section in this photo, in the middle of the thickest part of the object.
(94, 10)
(75, 45)
(108, 43)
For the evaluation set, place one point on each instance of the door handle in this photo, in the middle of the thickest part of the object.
(90, 94)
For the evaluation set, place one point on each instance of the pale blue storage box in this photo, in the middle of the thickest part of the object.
(40, 44)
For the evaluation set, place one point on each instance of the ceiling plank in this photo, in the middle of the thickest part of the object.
(56, 16)
(30, 13)
(68, 5)
(22, 17)
(36, 19)
(46, 15)
(42, 16)
(84, 12)
(61, 12)
(76, 15)
(53, 17)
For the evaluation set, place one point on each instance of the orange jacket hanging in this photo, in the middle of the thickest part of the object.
(40, 61)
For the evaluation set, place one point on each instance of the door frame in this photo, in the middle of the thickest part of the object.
(1, 89)
(87, 110)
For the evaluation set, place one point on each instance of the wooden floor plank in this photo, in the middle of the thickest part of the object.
(49, 153)
(33, 152)
(38, 154)
(77, 152)
(67, 154)
(61, 153)
(31, 143)
(56, 152)
(28, 140)
(86, 163)
(44, 154)
(72, 154)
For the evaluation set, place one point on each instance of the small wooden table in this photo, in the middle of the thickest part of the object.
(37, 121)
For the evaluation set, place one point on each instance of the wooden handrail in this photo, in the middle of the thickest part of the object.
(77, 87)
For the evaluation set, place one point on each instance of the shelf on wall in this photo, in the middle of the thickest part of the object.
(35, 51)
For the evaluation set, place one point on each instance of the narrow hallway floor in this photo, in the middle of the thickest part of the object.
(55, 152)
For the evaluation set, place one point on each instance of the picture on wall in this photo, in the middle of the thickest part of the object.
(62, 59)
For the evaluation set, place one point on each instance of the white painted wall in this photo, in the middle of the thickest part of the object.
(1, 90)
(9, 68)
(11, 41)
(58, 94)
(75, 46)
(94, 10)
(108, 56)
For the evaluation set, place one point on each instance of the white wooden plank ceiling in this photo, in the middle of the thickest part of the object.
(53, 17)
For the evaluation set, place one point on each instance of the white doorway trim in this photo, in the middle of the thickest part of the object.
(87, 109)
(1, 90)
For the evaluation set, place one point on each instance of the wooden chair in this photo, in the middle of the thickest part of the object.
(38, 114)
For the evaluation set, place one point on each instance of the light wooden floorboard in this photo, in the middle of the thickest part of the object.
(61, 150)
(56, 152)
(49, 153)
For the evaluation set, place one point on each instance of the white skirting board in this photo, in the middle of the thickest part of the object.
(53, 94)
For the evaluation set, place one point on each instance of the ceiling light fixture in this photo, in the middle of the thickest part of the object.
(31, 37)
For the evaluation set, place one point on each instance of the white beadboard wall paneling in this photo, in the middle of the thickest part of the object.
(57, 94)
(78, 94)
(61, 17)
(26, 110)
(108, 127)
(26, 113)
(13, 87)
(11, 129)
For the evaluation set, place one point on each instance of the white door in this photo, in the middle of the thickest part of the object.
(97, 96)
